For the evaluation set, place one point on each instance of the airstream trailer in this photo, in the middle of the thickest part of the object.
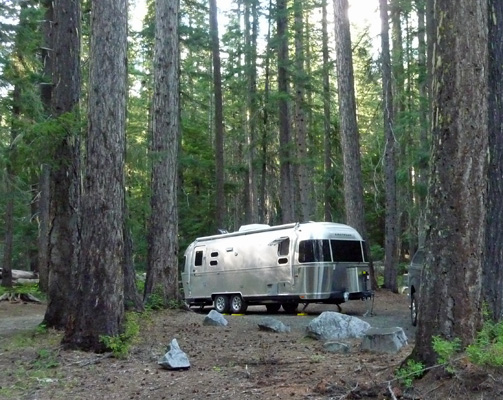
(276, 266)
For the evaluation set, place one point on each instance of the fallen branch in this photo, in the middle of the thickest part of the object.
(19, 297)
(92, 361)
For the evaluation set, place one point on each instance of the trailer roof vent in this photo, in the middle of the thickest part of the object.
(253, 227)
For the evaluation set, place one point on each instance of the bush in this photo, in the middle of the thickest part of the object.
(411, 371)
(488, 346)
(120, 345)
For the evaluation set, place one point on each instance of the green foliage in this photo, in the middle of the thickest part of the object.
(46, 359)
(120, 344)
(446, 350)
(24, 288)
(412, 370)
(377, 252)
(155, 301)
(488, 346)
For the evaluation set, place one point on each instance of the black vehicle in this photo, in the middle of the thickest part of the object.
(415, 270)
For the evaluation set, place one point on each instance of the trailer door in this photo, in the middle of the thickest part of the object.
(196, 273)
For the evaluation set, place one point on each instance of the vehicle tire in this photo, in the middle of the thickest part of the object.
(273, 308)
(413, 309)
(237, 304)
(290, 308)
(221, 303)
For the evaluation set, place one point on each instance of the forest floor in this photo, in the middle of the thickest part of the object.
(236, 362)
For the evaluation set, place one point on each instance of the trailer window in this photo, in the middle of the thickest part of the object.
(314, 251)
(347, 250)
(214, 253)
(199, 259)
(284, 247)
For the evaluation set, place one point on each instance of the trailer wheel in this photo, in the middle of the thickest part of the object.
(237, 305)
(221, 303)
(290, 308)
(273, 308)
(413, 308)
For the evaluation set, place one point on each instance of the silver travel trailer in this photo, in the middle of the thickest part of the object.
(276, 266)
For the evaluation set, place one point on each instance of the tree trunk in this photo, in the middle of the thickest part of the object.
(305, 209)
(350, 140)
(43, 227)
(162, 272)
(390, 245)
(264, 215)
(9, 226)
(493, 262)
(450, 294)
(327, 155)
(219, 118)
(251, 33)
(422, 179)
(132, 298)
(286, 173)
(9, 187)
(44, 180)
(100, 295)
(65, 174)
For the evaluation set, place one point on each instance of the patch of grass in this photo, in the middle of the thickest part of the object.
(46, 359)
(34, 362)
(40, 337)
(316, 358)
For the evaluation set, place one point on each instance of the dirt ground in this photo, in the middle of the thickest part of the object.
(238, 361)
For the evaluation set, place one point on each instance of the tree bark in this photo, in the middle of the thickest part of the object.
(219, 118)
(306, 208)
(422, 180)
(43, 227)
(450, 293)
(100, 294)
(327, 152)
(493, 262)
(350, 138)
(251, 33)
(285, 139)
(162, 272)
(390, 241)
(263, 210)
(65, 174)
(9, 225)
(44, 182)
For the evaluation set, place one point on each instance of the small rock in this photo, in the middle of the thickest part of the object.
(273, 325)
(331, 325)
(384, 340)
(175, 358)
(336, 347)
(214, 318)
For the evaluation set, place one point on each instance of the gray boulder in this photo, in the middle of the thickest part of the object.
(175, 358)
(273, 325)
(214, 318)
(336, 347)
(384, 340)
(331, 325)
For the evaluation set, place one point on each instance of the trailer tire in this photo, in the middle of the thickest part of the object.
(273, 308)
(221, 303)
(237, 304)
(290, 308)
